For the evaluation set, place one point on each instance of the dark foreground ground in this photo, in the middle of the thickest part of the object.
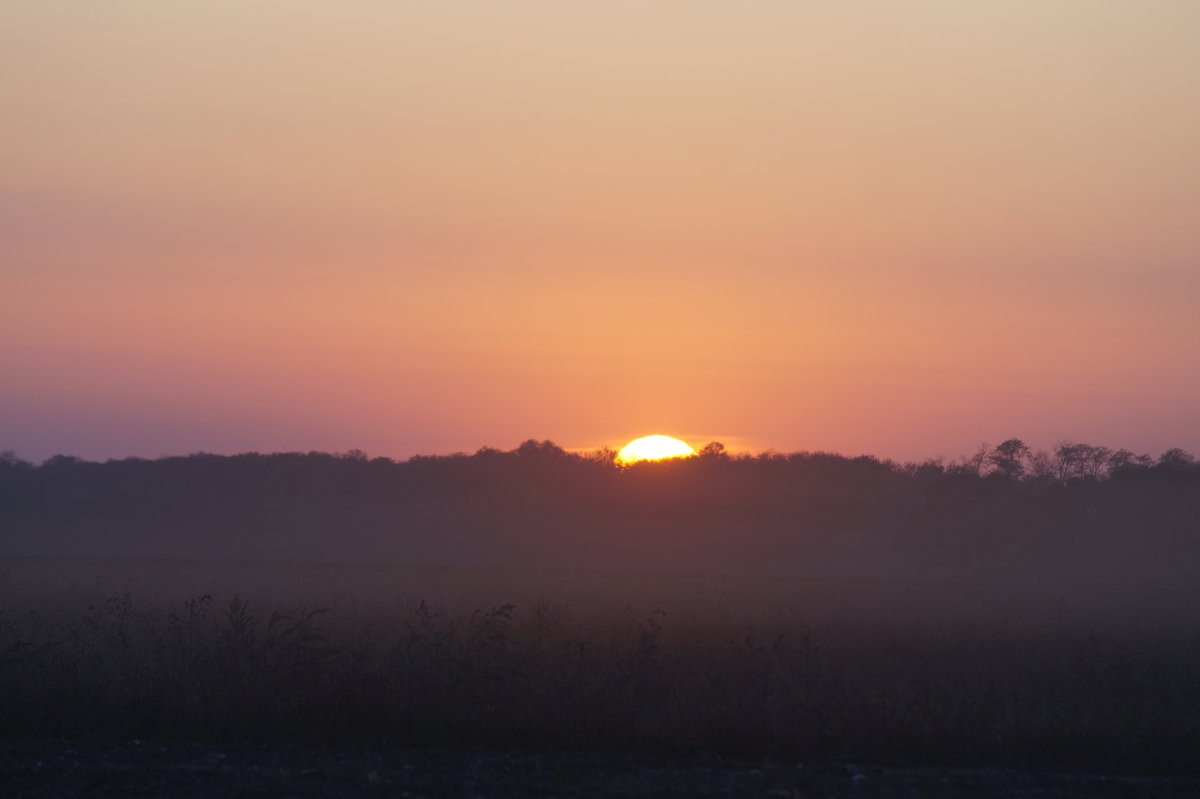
(54, 768)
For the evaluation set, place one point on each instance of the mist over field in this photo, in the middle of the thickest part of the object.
(1079, 515)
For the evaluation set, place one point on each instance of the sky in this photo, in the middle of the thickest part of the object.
(425, 227)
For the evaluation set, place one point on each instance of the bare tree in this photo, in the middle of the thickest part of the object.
(1095, 461)
(974, 464)
(1042, 466)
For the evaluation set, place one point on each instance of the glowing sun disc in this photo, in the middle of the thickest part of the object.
(653, 448)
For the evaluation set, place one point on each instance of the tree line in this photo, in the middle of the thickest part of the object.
(1004, 511)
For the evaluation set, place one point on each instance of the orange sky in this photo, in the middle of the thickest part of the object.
(425, 227)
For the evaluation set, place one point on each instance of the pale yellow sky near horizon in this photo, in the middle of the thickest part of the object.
(892, 227)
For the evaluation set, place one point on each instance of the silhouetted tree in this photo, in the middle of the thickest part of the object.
(927, 470)
(1123, 461)
(1071, 460)
(1042, 466)
(974, 464)
(1176, 459)
(1096, 462)
(540, 450)
(1008, 458)
(605, 455)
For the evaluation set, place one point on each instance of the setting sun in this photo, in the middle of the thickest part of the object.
(653, 448)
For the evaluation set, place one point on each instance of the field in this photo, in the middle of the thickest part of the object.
(692, 668)
(56, 769)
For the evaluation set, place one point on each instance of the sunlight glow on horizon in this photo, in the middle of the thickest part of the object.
(653, 448)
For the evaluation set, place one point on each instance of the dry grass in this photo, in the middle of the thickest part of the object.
(1060, 694)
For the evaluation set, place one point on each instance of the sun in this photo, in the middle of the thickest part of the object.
(653, 448)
